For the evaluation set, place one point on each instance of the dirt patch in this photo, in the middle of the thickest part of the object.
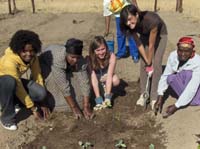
(125, 121)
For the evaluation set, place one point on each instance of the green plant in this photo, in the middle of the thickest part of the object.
(85, 145)
(120, 144)
(151, 146)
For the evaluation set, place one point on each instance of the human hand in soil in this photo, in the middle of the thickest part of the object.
(158, 105)
(36, 113)
(170, 110)
(87, 112)
(77, 112)
(45, 112)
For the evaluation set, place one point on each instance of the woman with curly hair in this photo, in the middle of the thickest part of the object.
(17, 59)
(102, 68)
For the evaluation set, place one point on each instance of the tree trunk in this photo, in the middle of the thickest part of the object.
(9, 7)
(179, 6)
(155, 6)
(33, 5)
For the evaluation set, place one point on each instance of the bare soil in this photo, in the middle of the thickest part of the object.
(124, 121)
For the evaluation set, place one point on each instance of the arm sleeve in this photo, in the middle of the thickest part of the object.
(20, 90)
(36, 72)
(83, 78)
(106, 11)
(163, 85)
(59, 75)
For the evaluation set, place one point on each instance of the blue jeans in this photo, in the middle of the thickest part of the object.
(8, 98)
(121, 42)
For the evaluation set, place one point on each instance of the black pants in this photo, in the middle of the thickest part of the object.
(8, 98)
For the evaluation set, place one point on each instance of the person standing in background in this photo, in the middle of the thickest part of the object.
(109, 9)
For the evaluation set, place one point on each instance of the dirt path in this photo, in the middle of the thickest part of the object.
(56, 28)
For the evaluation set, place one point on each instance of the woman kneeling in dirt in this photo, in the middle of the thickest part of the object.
(102, 66)
(18, 58)
(182, 74)
(62, 63)
(151, 45)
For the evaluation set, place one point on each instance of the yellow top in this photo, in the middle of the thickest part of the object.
(11, 64)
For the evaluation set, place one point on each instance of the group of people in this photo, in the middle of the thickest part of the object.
(96, 72)
(55, 63)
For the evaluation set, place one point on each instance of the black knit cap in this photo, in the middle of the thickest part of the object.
(74, 46)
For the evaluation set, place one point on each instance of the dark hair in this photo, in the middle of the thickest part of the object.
(94, 60)
(74, 46)
(23, 37)
(125, 12)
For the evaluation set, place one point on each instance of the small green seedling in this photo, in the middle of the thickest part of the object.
(85, 145)
(198, 147)
(151, 146)
(120, 144)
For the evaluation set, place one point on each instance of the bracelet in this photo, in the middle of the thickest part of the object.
(148, 65)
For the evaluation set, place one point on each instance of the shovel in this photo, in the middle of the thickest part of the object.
(143, 100)
(146, 92)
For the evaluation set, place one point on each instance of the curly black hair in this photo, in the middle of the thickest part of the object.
(23, 37)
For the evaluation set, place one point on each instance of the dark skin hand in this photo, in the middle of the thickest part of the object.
(38, 116)
(158, 105)
(170, 110)
(75, 109)
(77, 112)
(87, 112)
(46, 112)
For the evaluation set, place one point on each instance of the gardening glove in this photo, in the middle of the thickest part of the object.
(99, 101)
(149, 70)
(107, 101)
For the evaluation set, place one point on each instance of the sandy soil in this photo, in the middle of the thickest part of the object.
(178, 130)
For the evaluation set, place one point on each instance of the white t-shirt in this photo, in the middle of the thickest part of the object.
(107, 12)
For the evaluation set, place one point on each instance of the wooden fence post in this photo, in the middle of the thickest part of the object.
(33, 5)
(9, 7)
(155, 6)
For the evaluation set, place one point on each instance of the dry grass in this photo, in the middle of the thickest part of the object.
(191, 7)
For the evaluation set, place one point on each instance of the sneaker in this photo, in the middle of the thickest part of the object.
(135, 59)
(9, 126)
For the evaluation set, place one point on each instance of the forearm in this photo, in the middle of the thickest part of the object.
(70, 101)
(108, 84)
(107, 23)
(95, 85)
(86, 102)
(143, 54)
(150, 54)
